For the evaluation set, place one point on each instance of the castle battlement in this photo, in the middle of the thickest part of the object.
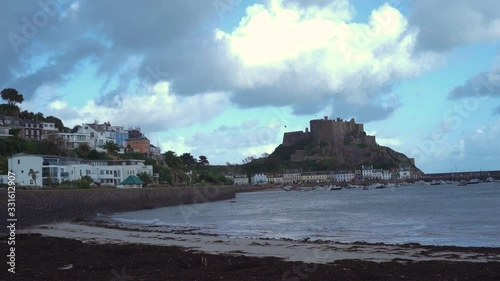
(333, 131)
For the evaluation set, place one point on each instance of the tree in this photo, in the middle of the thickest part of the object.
(172, 160)
(33, 175)
(264, 155)
(111, 147)
(203, 160)
(145, 177)
(248, 159)
(12, 96)
(83, 150)
(188, 159)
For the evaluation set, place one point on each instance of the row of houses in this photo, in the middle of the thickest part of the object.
(367, 172)
(93, 134)
(37, 170)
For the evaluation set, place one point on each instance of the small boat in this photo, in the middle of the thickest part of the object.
(474, 181)
(490, 179)
(462, 183)
(377, 185)
(287, 188)
(334, 187)
(366, 188)
(435, 182)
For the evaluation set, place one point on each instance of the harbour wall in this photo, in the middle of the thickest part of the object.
(34, 207)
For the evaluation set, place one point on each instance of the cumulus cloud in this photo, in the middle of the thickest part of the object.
(282, 53)
(305, 57)
(158, 110)
(446, 24)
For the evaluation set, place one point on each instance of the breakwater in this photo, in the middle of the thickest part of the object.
(34, 207)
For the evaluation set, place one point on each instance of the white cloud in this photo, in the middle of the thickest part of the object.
(156, 111)
(58, 104)
(314, 52)
(389, 142)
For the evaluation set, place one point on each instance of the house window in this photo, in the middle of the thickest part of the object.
(31, 181)
(18, 161)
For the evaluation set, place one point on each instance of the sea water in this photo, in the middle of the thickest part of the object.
(429, 215)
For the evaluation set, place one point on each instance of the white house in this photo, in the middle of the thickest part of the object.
(239, 179)
(73, 140)
(99, 134)
(275, 178)
(377, 174)
(349, 176)
(386, 175)
(367, 171)
(48, 128)
(404, 172)
(260, 178)
(292, 176)
(35, 170)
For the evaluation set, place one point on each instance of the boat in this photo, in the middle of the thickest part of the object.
(287, 188)
(490, 179)
(366, 188)
(474, 181)
(462, 183)
(435, 182)
(334, 187)
(376, 185)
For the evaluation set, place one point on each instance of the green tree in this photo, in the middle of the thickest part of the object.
(188, 159)
(172, 160)
(111, 147)
(12, 96)
(145, 177)
(203, 160)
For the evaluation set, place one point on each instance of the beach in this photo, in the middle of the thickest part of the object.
(79, 251)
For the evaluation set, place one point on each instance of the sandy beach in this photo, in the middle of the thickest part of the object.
(78, 251)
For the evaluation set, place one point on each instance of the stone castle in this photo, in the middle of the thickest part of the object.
(331, 132)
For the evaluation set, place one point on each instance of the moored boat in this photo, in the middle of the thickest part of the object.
(473, 181)
(462, 183)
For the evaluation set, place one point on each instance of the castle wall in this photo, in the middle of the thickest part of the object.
(330, 131)
(291, 138)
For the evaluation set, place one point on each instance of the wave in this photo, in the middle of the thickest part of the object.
(140, 221)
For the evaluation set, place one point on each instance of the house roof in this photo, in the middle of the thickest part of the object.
(132, 180)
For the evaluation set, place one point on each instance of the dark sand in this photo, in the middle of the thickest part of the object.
(42, 258)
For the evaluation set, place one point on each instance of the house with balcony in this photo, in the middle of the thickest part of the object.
(56, 169)
(73, 140)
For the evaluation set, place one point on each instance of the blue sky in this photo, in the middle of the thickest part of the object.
(223, 78)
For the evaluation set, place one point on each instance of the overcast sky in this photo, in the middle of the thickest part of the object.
(223, 78)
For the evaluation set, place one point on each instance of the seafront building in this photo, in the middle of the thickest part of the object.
(38, 170)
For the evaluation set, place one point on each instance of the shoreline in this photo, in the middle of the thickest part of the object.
(287, 249)
(75, 251)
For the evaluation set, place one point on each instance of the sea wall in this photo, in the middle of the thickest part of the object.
(33, 207)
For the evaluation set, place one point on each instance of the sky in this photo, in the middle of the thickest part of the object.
(226, 78)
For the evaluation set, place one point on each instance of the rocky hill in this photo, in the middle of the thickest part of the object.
(330, 145)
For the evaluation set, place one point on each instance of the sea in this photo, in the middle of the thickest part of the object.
(426, 214)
